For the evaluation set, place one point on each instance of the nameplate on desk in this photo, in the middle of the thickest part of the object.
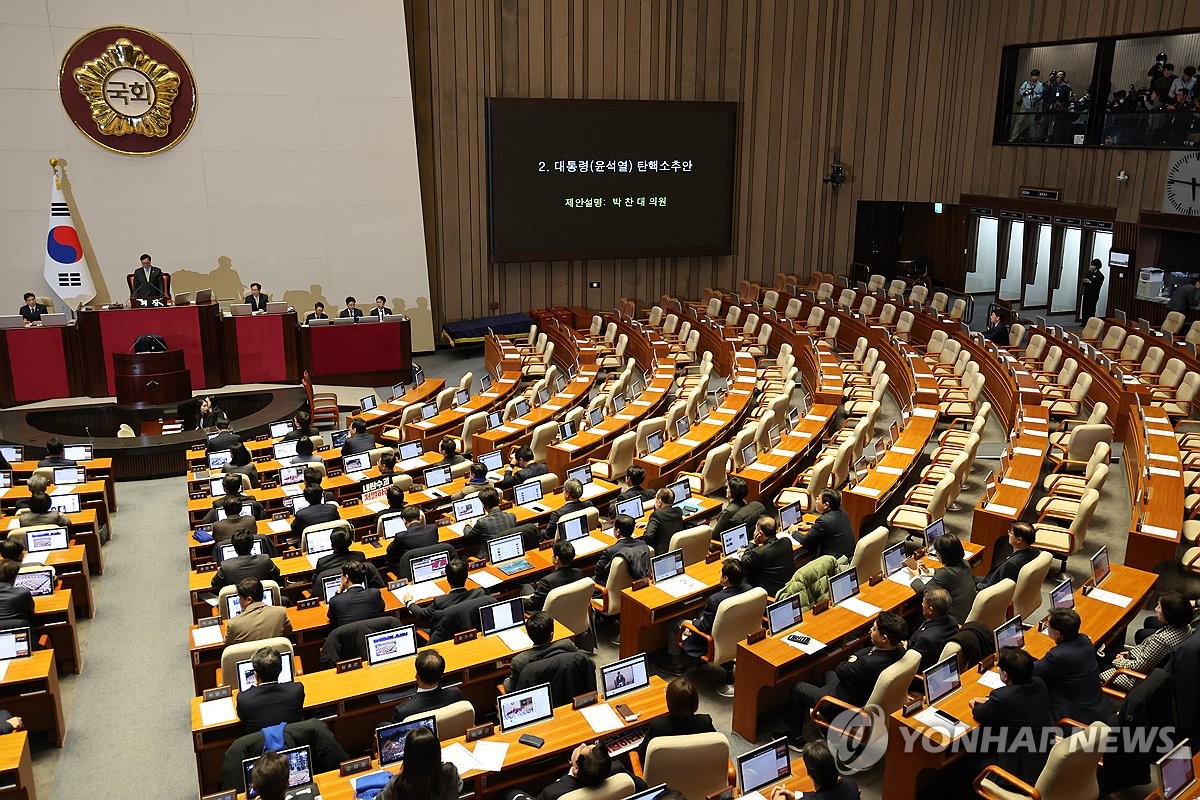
(546, 544)
(1154, 530)
(394, 585)
(349, 665)
(904, 451)
(324, 448)
(583, 701)
(757, 636)
(640, 583)
(714, 555)
(466, 636)
(270, 485)
(279, 515)
(480, 731)
(724, 794)
(311, 602)
(291, 554)
(209, 567)
(262, 437)
(475, 565)
(371, 538)
(354, 765)
(208, 622)
(875, 579)
(1027, 451)
(219, 693)
(821, 606)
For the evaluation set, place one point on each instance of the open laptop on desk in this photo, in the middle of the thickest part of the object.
(13, 452)
(330, 586)
(45, 540)
(1010, 634)
(595, 416)
(78, 452)
(506, 619)
(784, 614)
(843, 586)
(1100, 566)
(517, 709)
(429, 568)
(391, 739)
(735, 540)
(283, 451)
(583, 474)
(15, 643)
(291, 479)
(281, 428)
(318, 543)
(64, 503)
(941, 681)
(465, 512)
(1175, 773)
(300, 773)
(39, 582)
(227, 550)
(277, 307)
(338, 438)
(790, 516)
(494, 462)
(356, 463)
(69, 476)
(429, 411)
(435, 477)
(681, 497)
(626, 675)
(575, 530)
(763, 766)
(507, 554)
(391, 644)
(494, 420)
(248, 678)
(528, 495)
(669, 575)
(11, 321)
(233, 603)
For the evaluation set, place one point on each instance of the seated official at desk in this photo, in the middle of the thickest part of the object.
(208, 413)
(359, 441)
(453, 612)
(450, 454)
(339, 540)
(733, 583)
(430, 696)
(564, 572)
(257, 620)
(318, 312)
(301, 427)
(244, 565)
(768, 561)
(40, 511)
(493, 522)
(242, 463)
(381, 310)
(540, 627)
(16, 602)
(634, 552)
(935, 630)
(831, 533)
(148, 280)
(665, 521)
(305, 453)
(269, 702)
(387, 463)
(1071, 671)
(232, 484)
(225, 438)
(854, 679)
(417, 533)
(1175, 614)
(256, 299)
(32, 311)
(822, 769)
(271, 775)
(633, 488)
(737, 510)
(355, 601)
(12, 549)
(521, 467)
(591, 765)
(317, 510)
(1021, 538)
(573, 492)
(224, 530)
(681, 720)
(475, 484)
(424, 774)
(350, 310)
(1020, 707)
(997, 329)
(954, 575)
(54, 455)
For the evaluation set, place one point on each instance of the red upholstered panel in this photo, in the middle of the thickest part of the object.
(344, 349)
(178, 325)
(260, 347)
(38, 362)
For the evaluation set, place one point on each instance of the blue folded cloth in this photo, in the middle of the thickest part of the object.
(273, 737)
(366, 787)
(204, 537)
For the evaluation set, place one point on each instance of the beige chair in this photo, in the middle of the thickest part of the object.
(1092, 329)
(1193, 334)
(242, 651)
(824, 291)
(1080, 444)
(1062, 482)
(846, 298)
(933, 348)
(737, 617)
(616, 359)
(916, 518)
(818, 477)
(125, 432)
(1147, 371)
(608, 604)
(620, 457)
(816, 318)
(960, 404)
(473, 424)
(1070, 772)
(889, 695)
(1131, 352)
(337, 524)
(1016, 334)
(543, 436)
(712, 475)
(904, 325)
(1180, 404)
(376, 453)
(918, 294)
(412, 413)
(571, 606)
(770, 299)
(1096, 416)
(887, 316)
(647, 427)
(896, 290)
(956, 438)
(860, 404)
(1063, 505)
(939, 302)
(991, 604)
(615, 787)
(697, 765)
(959, 309)
(1070, 405)
(694, 542)
(867, 306)
(747, 435)
(445, 399)
(868, 554)
(831, 331)
(1114, 339)
(876, 283)
(1063, 542)
(452, 720)
(1027, 596)
(792, 311)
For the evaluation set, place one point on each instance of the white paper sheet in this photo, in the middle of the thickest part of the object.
(420, 591)
(602, 718)
(860, 607)
(485, 579)
(813, 644)
(924, 412)
(1154, 530)
(570, 448)
(625, 417)
(1157, 432)
(905, 451)
(1016, 483)
(1027, 451)
(1170, 473)
(785, 453)
(14, 523)
(766, 469)
(689, 443)
(1161, 457)
(654, 459)
(279, 526)
(3, 669)
(516, 639)
(991, 679)
(996, 508)
(1035, 432)
(216, 712)
(930, 717)
(376, 506)
(867, 490)
(58, 491)
(205, 637)
(680, 585)
(490, 755)
(462, 758)
(1112, 598)
(902, 577)
(885, 470)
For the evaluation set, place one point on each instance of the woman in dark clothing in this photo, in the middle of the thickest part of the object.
(681, 718)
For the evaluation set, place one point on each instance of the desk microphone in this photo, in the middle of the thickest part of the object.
(89, 431)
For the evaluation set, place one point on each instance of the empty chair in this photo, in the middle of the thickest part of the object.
(918, 294)
(1113, 339)
(939, 302)
(543, 436)
(1063, 483)
(831, 331)
(1063, 542)
(867, 306)
(875, 283)
(445, 399)
(694, 543)
(1063, 503)
(1152, 362)
(904, 325)
(792, 311)
(620, 458)
(859, 405)
(991, 604)
(887, 315)
(1080, 444)
(846, 298)
(1016, 333)
(712, 475)
(1193, 334)
(896, 289)
(959, 309)
(1131, 352)
(571, 605)
(818, 477)
(535, 369)
(816, 317)
(1091, 329)
(1027, 596)
(1070, 405)
(959, 404)
(1070, 772)
(770, 299)
(868, 554)
(1180, 403)
(916, 518)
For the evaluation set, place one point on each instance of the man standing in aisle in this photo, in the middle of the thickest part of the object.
(1091, 289)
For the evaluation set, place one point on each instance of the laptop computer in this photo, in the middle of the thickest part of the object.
(51, 320)
(681, 492)
(1010, 634)
(507, 554)
(494, 420)
(933, 531)
(485, 382)
(391, 644)
(654, 442)
(15, 643)
(13, 452)
(390, 739)
(428, 568)
(233, 603)
(39, 582)
(942, 680)
(338, 438)
(69, 476)
(575, 530)
(1062, 595)
(669, 575)
(790, 516)
(734, 540)
(749, 454)
(763, 766)
(1100, 566)
(466, 511)
(517, 709)
(783, 614)
(501, 616)
(248, 678)
(566, 430)
(409, 450)
(46, 540)
(631, 506)
(429, 411)
(494, 461)
(358, 462)
(280, 429)
(461, 397)
(240, 310)
(227, 551)
(435, 477)
(595, 416)
(65, 503)
(368, 403)
(528, 494)
(521, 408)
(894, 558)
(300, 770)
(11, 321)
(78, 452)
(393, 525)
(682, 426)
(1175, 773)
(624, 676)
(219, 458)
(843, 586)
(277, 307)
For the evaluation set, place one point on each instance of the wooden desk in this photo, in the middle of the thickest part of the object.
(16, 768)
(519, 431)
(29, 689)
(644, 613)
(54, 616)
(91, 494)
(775, 468)
(1157, 520)
(866, 499)
(82, 529)
(97, 469)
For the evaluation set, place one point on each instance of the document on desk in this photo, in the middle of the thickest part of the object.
(591, 490)
(587, 545)
(764, 468)
(462, 758)
(61, 490)
(654, 459)
(924, 412)
(1112, 598)
(1170, 473)
(625, 417)
(426, 590)
(991, 679)
(485, 579)
(279, 526)
(867, 490)
(689, 443)
(602, 718)
(570, 448)
(203, 637)
(503, 429)
(15, 522)
(951, 727)
(1016, 483)
(216, 712)
(357, 477)
(516, 639)
(785, 453)
(812, 646)
(3, 669)
(860, 607)
(904, 577)
(905, 451)
(1158, 432)
(409, 464)
(996, 508)
(1027, 451)
(885, 470)
(376, 506)
(490, 755)
(680, 585)
(1154, 530)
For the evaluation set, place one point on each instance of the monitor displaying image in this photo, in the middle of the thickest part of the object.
(624, 676)
(501, 616)
(391, 644)
(941, 680)
(763, 766)
(390, 739)
(525, 707)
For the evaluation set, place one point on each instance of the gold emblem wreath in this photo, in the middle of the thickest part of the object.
(124, 54)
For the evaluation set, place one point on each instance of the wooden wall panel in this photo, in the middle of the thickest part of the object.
(902, 91)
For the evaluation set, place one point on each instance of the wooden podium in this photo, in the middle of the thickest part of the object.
(151, 379)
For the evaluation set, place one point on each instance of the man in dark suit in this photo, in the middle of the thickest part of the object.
(430, 696)
(564, 572)
(32, 311)
(493, 522)
(665, 521)
(1071, 671)
(225, 439)
(359, 441)
(301, 427)
(1021, 538)
(737, 510)
(954, 575)
(318, 312)
(317, 510)
(450, 454)
(54, 455)
(381, 310)
(768, 561)
(244, 565)
(521, 468)
(16, 602)
(1020, 706)
(269, 702)
(831, 533)
(633, 551)
(997, 329)
(633, 488)
(256, 299)
(224, 529)
(148, 280)
(441, 616)
(573, 492)
(351, 309)
(355, 602)
(854, 679)
(591, 765)
(232, 484)
(733, 583)
(936, 629)
(340, 541)
(417, 533)
(540, 627)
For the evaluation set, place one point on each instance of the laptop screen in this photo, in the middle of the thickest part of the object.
(680, 490)
(522, 408)
(1061, 596)
(291, 475)
(789, 515)
(583, 474)
(566, 430)
(494, 420)
(485, 382)
(668, 565)
(774, 436)
(299, 773)
(318, 541)
(219, 458)
(392, 644)
(893, 559)
(573, 528)
(368, 403)
(933, 531)
(1010, 634)
(624, 676)
(527, 493)
(359, 462)
(735, 539)
(793, 416)
(227, 550)
(14, 643)
(941, 679)
(619, 403)
(631, 506)
(331, 586)
(844, 585)
(393, 526)
(468, 508)
(525, 707)
(596, 416)
(78, 452)
(543, 396)
(285, 450)
(418, 376)
(233, 603)
(281, 429)
(247, 677)
(461, 396)
(296, 504)
(390, 739)
(1100, 566)
(64, 503)
(39, 582)
(5, 478)
(703, 410)
(68, 476)
(13, 452)
(763, 766)
(216, 487)
(501, 616)
(436, 476)
(429, 411)
(654, 442)
(505, 548)
(783, 614)
(338, 438)
(1175, 772)
(410, 449)
(428, 568)
(748, 454)
(47, 539)
(494, 461)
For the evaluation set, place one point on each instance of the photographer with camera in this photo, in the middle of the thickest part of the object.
(1058, 102)
(1029, 105)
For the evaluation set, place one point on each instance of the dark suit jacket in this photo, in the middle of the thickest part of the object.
(148, 289)
(235, 569)
(675, 726)
(1010, 567)
(376, 311)
(693, 645)
(618, 548)
(559, 577)
(1015, 707)
(16, 606)
(414, 537)
(314, 315)
(335, 560)
(522, 475)
(636, 491)
(224, 440)
(248, 504)
(568, 783)
(451, 613)
(771, 565)
(354, 605)
(931, 637)
(265, 545)
(566, 509)
(489, 526)
(662, 525)
(736, 513)
(313, 515)
(33, 314)
(998, 335)
(857, 675)
(355, 312)
(259, 304)
(224, 529)
(270, 704)
(358, 443)
(427, 702)
(831, 534)
(956, 580)
(57, 461)
(1072, 674)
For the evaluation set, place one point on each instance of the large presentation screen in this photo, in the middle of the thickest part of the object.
(574, 179)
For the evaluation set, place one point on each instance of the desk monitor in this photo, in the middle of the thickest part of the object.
(358, 462)
(624, 676)
(618, 403)
(391, 644)
(1100, 565)
(893, 558)
(582, 473)
(703, 410)
(749, 453)
(783, 614)
(338, 438)
(468, 508)
(494, 420)
(65, 503)
(774, 437)
(219, 458)
(559, 383)
(46, 539)
(654, 442)
(390, 739)
(281, 428)
(524, 707)
(934, 530)
(1175, 773)
(429, 411)
(291, 475)
(300, 771)
(543, 396)
(429, 568)
(397, 390)
(1010, 634)
(418, 375)
(793, 417)
(573, 528)
(233, 602)
(1120, 315)
(393, 525)
(240, 309)
(410, 449)
(297, 503)
(596, 416)
(734, 539)
(368, 403)
(342, 320)
(681, 490)
(78, 452)
(316, 323)
(1062, 596)
(505, 548)
(763, 766)
(13, 452)
(461, 396)
(318, 541)
(844, 585)
(6, 479)
(14, 643)
(216, 487)
(941, 680)
(501, 616)
(682, 426)
(485, 382)
(667, 566)
(494, 461)
(39, 582)
(285, 450)
(521, 408)
(529, 492)
(436, 476)
(227, 550)
(248, 678)
(331, 586)
(567, 429)
(277, 307)
(790, 515)
(631, 506)
(11, 321)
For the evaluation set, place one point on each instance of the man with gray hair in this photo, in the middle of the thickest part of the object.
(573, 492)
(936, 629)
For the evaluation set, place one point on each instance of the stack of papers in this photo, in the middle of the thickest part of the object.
(991, 679)
(1112, 598)
(602, 718)
(516, 639)
(485, 579)
(216, 712)
(680, 585)
(860, 607)
(203, 637)
(426, 590)
(462, 758)
(279, 526)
